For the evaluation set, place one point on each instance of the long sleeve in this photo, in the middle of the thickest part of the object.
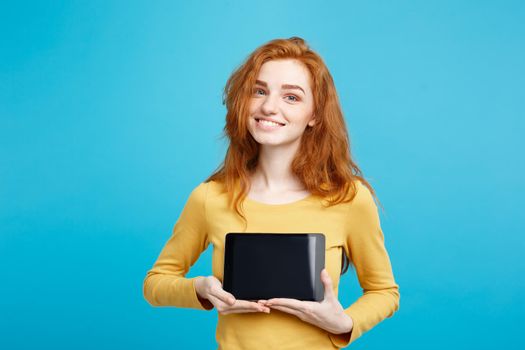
(165, 284)
(365, 242)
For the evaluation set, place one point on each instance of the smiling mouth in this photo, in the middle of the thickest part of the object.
(268, 122)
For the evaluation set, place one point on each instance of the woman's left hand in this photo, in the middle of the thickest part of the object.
(327, 314)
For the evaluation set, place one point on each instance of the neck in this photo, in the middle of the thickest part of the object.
(273, 172)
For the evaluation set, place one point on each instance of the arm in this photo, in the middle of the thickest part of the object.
(365, 242)
(165, 284)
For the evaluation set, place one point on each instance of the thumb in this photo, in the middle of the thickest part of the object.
(327, 282)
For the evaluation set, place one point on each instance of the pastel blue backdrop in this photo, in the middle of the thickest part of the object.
(111, 114)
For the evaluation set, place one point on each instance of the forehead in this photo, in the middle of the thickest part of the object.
(286, 71)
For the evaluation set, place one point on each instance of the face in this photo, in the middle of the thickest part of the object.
(281, 94)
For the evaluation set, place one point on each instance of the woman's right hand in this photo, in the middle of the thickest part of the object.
(210, 288)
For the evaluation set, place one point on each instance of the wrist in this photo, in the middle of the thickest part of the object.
(198, 285)
(345, 325)
(348, 323)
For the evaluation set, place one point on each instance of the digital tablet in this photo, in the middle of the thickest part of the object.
(274, 265)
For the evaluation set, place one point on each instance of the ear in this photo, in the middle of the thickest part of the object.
(312, 122)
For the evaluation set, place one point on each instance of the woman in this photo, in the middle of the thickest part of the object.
(288, 168)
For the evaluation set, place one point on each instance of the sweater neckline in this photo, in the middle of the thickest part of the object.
(280, 205)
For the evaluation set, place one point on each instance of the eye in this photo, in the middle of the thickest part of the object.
(256, 90)
(295, 98)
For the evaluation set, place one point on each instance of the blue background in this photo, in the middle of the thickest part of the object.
(111, 113)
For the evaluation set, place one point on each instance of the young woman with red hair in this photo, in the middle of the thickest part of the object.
(288, 168)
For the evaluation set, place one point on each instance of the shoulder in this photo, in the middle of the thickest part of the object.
(362, 216)
(208, 191)
(201, 188)
(213, 187)
(363, 201)
(199, 193)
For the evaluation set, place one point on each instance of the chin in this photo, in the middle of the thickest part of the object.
(265, 140)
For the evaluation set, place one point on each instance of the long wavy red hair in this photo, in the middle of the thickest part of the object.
(323, 162)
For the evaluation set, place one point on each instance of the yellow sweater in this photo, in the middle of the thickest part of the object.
(353, 226)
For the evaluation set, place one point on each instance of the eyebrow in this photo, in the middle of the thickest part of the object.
(284, 86)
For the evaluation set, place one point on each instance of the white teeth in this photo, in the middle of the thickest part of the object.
(267, 122)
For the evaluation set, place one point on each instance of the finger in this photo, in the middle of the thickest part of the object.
(251, 305)
(246, 306)
(238, 311)
(215, 301)
(327, 282)
(234, 310)
(263, 304)
(288, 302)
(217, 290)
(223, 295)
(288, 310)
(225, 308)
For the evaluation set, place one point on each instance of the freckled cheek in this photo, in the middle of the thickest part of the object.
(296, 116)
(253, 107)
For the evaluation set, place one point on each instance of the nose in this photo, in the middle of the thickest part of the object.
(269, 105)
